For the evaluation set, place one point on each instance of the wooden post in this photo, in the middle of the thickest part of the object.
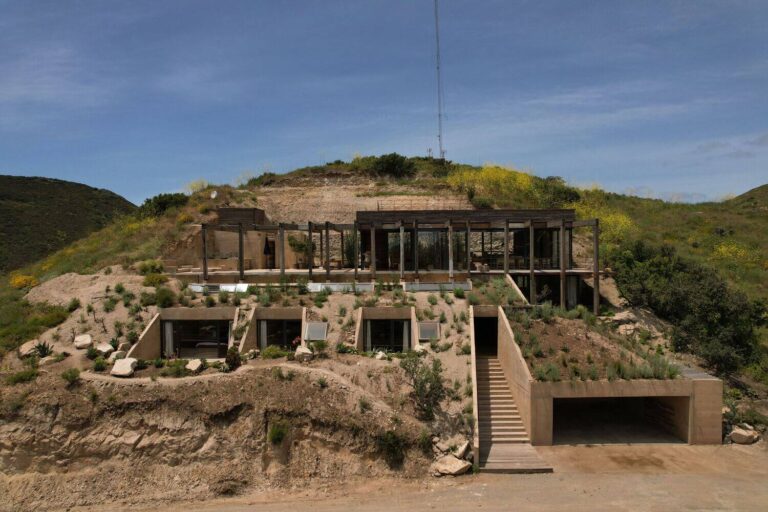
(402, 251)
(310, 250)
(240, 266)
(506, 246)
(205, 253)
(563, 279)
(469, 255)
(357, 249)
(596, 269)
(482, 244)
(373, 252)
(450, 251)
(327, 251)
(281, 232)
(531, 256)
(341, 233)
(416, 247)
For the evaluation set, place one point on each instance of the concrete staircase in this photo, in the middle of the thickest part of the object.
(504, 443)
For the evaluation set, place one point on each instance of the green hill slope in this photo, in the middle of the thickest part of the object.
(41, 215)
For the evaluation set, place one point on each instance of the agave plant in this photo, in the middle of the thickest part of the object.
(43, 349)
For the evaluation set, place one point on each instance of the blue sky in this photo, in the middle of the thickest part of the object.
(667, 99)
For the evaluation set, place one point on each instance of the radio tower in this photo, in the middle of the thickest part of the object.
(439, 87)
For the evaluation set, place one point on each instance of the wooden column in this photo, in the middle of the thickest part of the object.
(322, 247)
(450, 251)
(402, 251)
(373, 252)
(482, 244)
(343, 251)
(506, 246)
(327, 251)
(205, 252)
(596, 269)
(240, 251)
(469, 254)
(310, 251)
(281, 236)
(531, 266)
(416, 247)
(563, 278)
(357, 249)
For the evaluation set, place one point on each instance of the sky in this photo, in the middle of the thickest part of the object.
(657, 98)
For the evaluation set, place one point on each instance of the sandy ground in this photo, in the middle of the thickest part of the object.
(588, 478)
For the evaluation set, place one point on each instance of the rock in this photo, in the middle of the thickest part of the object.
(83, 341)
(419, 348)
(741, 435)
(462, 450)
(253, 353)
(194, 365)
(449, 465)
(624, 317)
(627, 329)
(443, 447)
(123, 367)
(380, 356)
(28, 349)
(114, 356)
(104, 349)
(303, 354)
(470, 457)
(124, 347)
(47, 360)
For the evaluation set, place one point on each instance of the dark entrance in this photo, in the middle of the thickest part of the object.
(617, 420)
(486, 336)
(195, 338)
(278, 332)
(387, 335)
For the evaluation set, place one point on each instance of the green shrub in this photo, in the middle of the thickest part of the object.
(425, 442)
(154, 280)
(343, 348)
(119, 288)
(22, 376)
(91, 353)
(223, 297)
(210, 302)
(432, 299)
(233, 359)
(392, 164)
(364, 404)
(71, 375)
(322, 382)
(458, 293)
(148, 299)
(109, 305)
(132, 337)
(158, 363)
(473, 299)
(175, 368)
(43, 349)
(73, 305)
(392, 446)
(466, 349)
(157, 205)
(319, 347)
(274, 352)
(427, 383)
(99, 364)
(278, 431)
(150, 267)
(165, 297)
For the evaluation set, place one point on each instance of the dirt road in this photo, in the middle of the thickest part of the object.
(616, 478)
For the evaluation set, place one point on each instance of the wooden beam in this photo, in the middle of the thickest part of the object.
(531, 266)
(596, 269)
(563, 278)
(240, 251)
(402, 251)
(310, 251)
(205, 252)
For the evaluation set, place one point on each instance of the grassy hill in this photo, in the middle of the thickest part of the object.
(41, 215)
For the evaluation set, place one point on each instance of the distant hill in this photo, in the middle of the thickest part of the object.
(41, 215)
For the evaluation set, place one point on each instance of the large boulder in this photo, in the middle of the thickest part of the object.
(83, 341)
(117, 354)
(303, 354)
(47, 360)
(104, 349)
(461, 450)
(744, 435)
(194, 365)
(449, 465)
(28, 349)
(123, 367)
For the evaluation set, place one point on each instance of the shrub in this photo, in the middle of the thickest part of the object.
(274, 352)
(210, 302)
(43, 349)
(224, 297)
(21, 281)
(73, 305)
(425, 442)
(233, 359)
(71, 375)
(148, 299)
(165, 297)
(319, 347)
(132, 337)
(109, 305)
(119, 288)
(278, 431)
(458, 293)
(392, 446)
(466, 349)
(393, 164)
(343, 348)
(91, 353)
(427, 383)
(175, 368)
(19, 377)
(473, 299)
(99, 364)
(154, 280)
(322, 382)
(157, 205)
(432, 299)
(150, 267)
(364, 404)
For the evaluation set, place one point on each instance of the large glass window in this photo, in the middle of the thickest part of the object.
(278, 332)
(387, 335)
(195, 338)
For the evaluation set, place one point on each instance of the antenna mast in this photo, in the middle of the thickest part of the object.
(439, 87)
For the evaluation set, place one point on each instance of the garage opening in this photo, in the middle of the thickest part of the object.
(387, 335)
(620, 420)
(486, 336)
(281, 333)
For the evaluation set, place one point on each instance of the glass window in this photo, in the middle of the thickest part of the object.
(316, 331)
(429, 330)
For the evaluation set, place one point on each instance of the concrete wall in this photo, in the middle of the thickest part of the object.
(475, 408)
(515, 370)
(148, 346)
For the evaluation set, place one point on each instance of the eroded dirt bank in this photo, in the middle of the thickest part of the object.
(103, 442)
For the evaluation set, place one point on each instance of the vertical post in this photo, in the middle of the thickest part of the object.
(596, 269)
(563, 281)
(531, 256)
(506, 246)
(482, 244)
(327, 251)
(357, 249)
(450, 251)
(240, 266)
(281, 236)
(373, 251)
(416, 247)
(341, 233)
(322, 247)
(402, 251)
(310, 250)
(205, 253)
(467, 249)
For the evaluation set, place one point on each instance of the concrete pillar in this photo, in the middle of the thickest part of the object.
(373, 251)
(402, 251)
(310, 250)
(531, 266)
(563, 281)
(596, 269)
(240, 251)
(205, 252)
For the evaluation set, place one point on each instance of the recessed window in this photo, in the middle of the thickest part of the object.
(429, 331)
(316, 331)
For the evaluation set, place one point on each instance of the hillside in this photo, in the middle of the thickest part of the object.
(41, 215)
